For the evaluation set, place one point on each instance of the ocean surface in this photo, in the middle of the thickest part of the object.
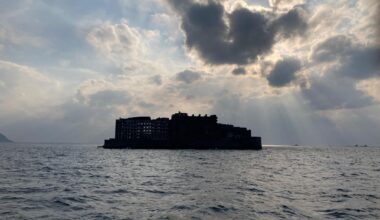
(68, 181)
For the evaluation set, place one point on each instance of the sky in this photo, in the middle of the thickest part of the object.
(292, 71)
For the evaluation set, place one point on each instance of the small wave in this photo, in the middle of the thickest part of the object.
(4, 198)
(156, 191)
(181, 207)
(28, 190)
(342, 213)
(368, 197)
(69, 204)
(60, 202)
(282, 183)
(7, 213)
(221, 209)
(342, 190)
(115, 191)
(192, 175)
(75, 199)
(253, 189)
(120, 191)
(148, 183)
(30, 208)
(46, 169)
(205, 163)
(288, 210)
(372, 196)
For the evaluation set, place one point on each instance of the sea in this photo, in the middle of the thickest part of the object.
(76, 181)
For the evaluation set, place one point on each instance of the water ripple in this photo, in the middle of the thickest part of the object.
(84, 182)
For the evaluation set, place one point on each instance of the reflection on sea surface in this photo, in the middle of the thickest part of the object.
(80, 181)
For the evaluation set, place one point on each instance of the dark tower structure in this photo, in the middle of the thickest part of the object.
(180, 132)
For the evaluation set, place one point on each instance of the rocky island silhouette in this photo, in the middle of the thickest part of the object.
(4, 139)
(181, 131)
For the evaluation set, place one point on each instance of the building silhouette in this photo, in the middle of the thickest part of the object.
(180, 132)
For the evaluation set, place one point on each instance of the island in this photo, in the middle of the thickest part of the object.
(4, 139)
(181, 131)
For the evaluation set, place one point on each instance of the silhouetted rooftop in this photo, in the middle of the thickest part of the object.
(180, 132)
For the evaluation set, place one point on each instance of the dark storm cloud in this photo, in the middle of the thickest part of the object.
(239, 37)
(284, 72)
(250, 36)
(206, 32)
(188, 76)
(292, 23)
(354, 60)
(239, 71)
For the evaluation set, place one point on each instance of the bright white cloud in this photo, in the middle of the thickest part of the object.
(117, 40)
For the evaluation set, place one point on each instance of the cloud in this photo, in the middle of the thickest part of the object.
(250, 36)
(354, 60)
(239, 71)
(284, 72)
(126, 49)
(102, 93)
(239, 37)
(156, 79)
(67, 122)
(331, 91)
(292, 23)
(25, 90)
(289, 119)
(333, 48)
(371, 87)
(116, 39)
(188, 76)
(27, 27)
(343, 63)
(362, 63)
(284, 4)
(97, 61)
(109, 97)
(275, 119)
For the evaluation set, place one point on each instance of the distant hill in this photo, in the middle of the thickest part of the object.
(3, 138)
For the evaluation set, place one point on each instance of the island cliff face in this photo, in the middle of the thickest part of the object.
(4, 139)
(180, 132)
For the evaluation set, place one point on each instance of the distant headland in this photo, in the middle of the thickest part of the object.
(4, 139)
(181, 131)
